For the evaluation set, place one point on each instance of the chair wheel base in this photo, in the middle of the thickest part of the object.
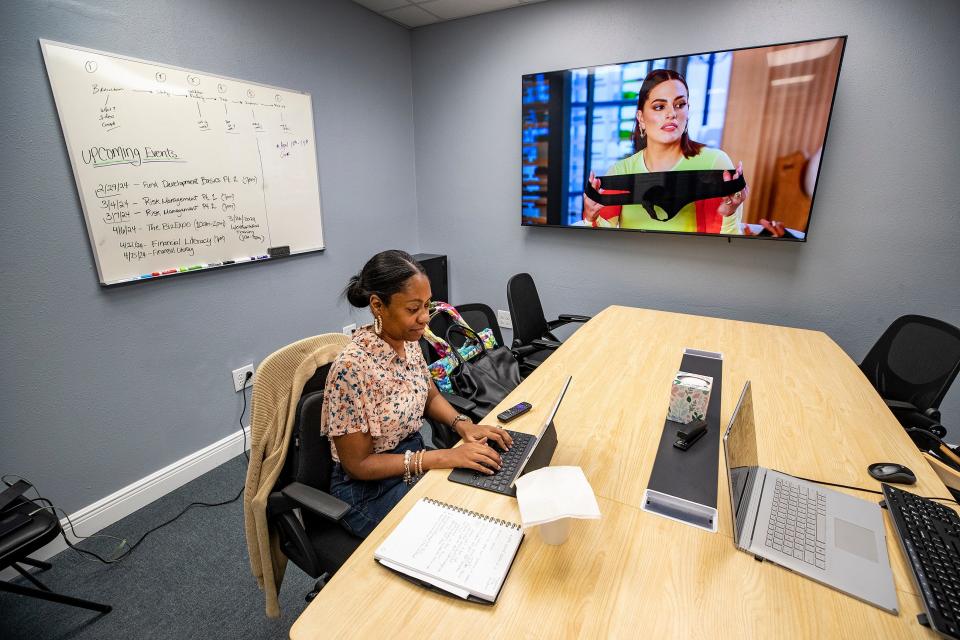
(320, 584)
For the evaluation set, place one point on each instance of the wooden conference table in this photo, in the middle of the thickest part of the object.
(632, 573)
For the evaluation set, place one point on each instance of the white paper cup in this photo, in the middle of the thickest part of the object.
(555, 532)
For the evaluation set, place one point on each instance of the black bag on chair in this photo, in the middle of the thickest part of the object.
(487, 378)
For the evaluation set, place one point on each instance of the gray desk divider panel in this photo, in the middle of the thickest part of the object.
(683, 484)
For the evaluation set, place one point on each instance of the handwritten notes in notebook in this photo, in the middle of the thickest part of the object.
(461, 552)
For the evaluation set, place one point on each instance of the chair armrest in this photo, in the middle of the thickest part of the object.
(543, 343)
(460, 403)
(316, 501)
(565, 318)
(521, 352)
(899, 405)
(921, 421)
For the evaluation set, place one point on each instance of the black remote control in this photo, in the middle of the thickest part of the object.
(510, 414)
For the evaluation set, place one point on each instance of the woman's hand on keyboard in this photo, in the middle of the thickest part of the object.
(483, 433)
(470, 455)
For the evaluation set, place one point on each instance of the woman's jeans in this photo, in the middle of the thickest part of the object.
(371, 500)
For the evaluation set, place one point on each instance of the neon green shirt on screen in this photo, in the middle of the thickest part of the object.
(634, 216)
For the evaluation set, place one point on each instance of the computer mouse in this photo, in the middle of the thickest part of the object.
(892, 472)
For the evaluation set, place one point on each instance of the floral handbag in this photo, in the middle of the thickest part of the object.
(441, 369)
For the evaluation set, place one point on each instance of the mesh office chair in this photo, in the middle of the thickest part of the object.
(300, 507)
(912, 366)
(533, 339)
(287, 505)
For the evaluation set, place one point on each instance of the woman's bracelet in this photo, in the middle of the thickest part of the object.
(460, 416)
(412, 474)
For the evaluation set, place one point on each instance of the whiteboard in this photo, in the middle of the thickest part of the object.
(181, 170)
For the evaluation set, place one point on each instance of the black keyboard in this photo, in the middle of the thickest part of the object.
(501, 481)
(929, 535)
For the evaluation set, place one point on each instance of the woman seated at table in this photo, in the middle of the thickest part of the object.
(379, 389)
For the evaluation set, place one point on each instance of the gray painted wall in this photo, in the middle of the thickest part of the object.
(884, 239)
(103, 387)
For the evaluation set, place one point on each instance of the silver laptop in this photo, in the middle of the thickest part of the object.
(833, 538)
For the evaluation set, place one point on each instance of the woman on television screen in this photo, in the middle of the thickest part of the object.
(662, 143)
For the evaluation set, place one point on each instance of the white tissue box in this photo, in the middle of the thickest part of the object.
(689, 397)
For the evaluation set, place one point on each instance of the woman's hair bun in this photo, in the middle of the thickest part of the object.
(356, 295)
(384, 275)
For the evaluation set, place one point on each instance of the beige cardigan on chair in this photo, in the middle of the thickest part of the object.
(276, 391)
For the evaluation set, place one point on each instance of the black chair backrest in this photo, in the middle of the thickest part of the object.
(915, 360)
(308, 458)
(479, 316)
(526, 313)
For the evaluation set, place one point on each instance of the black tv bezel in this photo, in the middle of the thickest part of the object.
(697, 234)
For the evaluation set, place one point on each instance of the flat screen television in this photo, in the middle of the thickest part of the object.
(724, 143)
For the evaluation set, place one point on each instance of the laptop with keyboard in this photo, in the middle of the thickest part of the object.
(527, 454)
(825, 535)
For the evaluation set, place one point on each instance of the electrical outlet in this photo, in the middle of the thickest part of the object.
(503, 319)
(240, 377)
(350, 328)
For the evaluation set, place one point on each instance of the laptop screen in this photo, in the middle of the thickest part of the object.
(740, 455)
(546, 442)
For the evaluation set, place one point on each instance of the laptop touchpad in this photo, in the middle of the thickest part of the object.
(855, 539)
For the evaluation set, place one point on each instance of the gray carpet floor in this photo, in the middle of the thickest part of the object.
(190, 579)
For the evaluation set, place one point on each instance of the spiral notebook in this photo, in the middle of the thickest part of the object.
(444, 547)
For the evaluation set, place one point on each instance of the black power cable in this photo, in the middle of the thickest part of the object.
(879, 493)
(242, 430)
(130, 547)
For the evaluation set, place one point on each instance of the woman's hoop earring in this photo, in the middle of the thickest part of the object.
(377, 324)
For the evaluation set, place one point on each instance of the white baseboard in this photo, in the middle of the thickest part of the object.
(102, 513)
